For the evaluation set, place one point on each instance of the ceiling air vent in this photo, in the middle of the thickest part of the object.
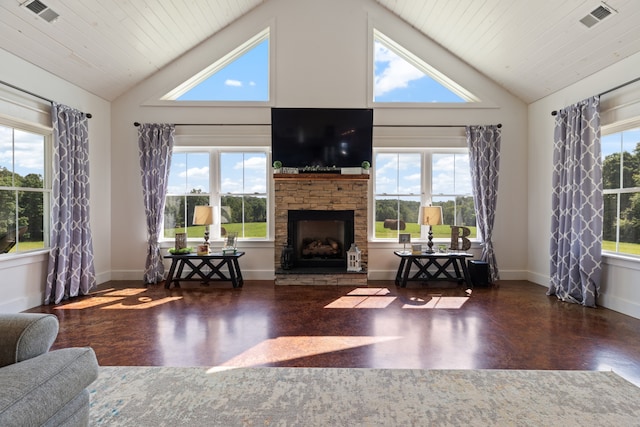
(597, 15)
(41, 9)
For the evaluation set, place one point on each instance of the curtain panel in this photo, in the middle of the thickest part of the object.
(484, 162)
(71, 270)
(577, 204)
(155, 144)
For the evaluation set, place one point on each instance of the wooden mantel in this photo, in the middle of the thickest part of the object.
(317, 176)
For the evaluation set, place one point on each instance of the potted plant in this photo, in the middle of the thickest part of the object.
(277, 166)
(365, 167)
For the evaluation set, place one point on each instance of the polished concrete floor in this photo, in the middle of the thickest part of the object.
(513, 325)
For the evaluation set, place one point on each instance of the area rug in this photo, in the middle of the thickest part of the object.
(165, 396)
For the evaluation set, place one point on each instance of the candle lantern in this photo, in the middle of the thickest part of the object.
(354, 261)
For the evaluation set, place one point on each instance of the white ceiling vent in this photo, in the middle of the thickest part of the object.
(41, 9)
(597, 15)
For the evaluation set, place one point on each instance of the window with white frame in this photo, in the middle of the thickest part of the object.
(405, 180)
(24, 189)
(234, 182)
(621, 188)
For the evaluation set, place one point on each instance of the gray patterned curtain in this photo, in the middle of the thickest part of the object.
(577, 204)
(155, 143)
(71, 271)
(484, 161)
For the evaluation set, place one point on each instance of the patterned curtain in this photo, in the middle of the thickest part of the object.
(577, 204)
(155, 143)
(484, 160)
(71, 271)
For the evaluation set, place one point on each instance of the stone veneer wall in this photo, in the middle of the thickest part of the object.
(321, 192)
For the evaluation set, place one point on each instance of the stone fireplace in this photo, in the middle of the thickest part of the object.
(321, 215)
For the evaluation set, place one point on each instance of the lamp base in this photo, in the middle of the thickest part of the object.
(430, 243)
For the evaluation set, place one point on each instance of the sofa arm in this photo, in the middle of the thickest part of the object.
(26, 335)
(43, 390)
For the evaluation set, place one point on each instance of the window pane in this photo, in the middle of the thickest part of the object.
(7, 220)
(451, 174)
(629, 227)
(398, 173)
(6, 156)
(455, 211)
(386, 173)
(610, 222)
(245, 215)
(243, 173)
(255, 172)
(31, 221)
(397, 215)
(631, 171)
(611, 146)
(189, 173)
(29, 159)
(174, 216)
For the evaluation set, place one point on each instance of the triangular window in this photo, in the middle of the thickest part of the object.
(400, 76)
(241, 75)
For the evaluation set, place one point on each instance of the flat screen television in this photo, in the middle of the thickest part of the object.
(321, 138)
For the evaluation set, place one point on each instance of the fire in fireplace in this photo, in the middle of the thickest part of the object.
(320, 238)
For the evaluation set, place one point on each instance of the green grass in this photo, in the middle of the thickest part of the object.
(439, 231)
(251, 230)
(625, 248)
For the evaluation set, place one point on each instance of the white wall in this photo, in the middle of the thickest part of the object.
(23, 276)
(619, 289)
(322, 59)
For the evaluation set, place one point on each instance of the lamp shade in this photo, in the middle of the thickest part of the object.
(203, 215)
(431, 215)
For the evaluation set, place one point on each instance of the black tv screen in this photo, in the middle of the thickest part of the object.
(321, 137)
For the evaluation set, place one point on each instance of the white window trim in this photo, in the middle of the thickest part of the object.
(425, 197)
(215, 193)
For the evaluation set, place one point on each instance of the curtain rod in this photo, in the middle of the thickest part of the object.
(554, 112)
(499, 125)
(33, 94)
(136, 124)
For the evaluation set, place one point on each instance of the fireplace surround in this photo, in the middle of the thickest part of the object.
(330, 194)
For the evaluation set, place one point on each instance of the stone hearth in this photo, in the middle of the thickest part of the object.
(321, 192)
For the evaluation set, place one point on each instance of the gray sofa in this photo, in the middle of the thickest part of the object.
(39, 387)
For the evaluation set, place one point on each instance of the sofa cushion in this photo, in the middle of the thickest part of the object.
(34, 391)
(26, 335)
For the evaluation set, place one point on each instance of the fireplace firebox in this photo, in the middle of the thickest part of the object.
(320, 238)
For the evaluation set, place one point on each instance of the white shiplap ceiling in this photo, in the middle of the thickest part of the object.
(532, 48)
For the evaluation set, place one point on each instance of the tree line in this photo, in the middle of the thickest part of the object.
(460, 211)
(29, 209)
(629, 202)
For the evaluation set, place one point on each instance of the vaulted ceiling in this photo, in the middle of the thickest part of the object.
(532, 48)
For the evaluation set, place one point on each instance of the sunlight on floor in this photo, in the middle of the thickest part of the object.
(378, 298)
(117, 299)
(289, 348)
(436, 302)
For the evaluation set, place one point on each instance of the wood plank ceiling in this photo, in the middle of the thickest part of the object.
(532, 48)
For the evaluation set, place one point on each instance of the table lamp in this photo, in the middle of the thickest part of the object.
(203, 215)
(431, 215)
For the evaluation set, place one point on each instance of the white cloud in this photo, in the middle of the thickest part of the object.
(252, 83)
(195, 173)
(235, 83)
(397, 73)
(258, 162)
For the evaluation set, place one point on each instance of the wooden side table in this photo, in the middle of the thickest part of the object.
(440, 261)
(215, 261)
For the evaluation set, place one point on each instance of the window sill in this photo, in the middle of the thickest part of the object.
(23, 258)
(621, 260)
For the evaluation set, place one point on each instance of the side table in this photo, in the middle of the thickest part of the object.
(440, 261)
(215, 261)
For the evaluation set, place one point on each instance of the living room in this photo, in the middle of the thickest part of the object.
(307, 78)
(313, 64)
